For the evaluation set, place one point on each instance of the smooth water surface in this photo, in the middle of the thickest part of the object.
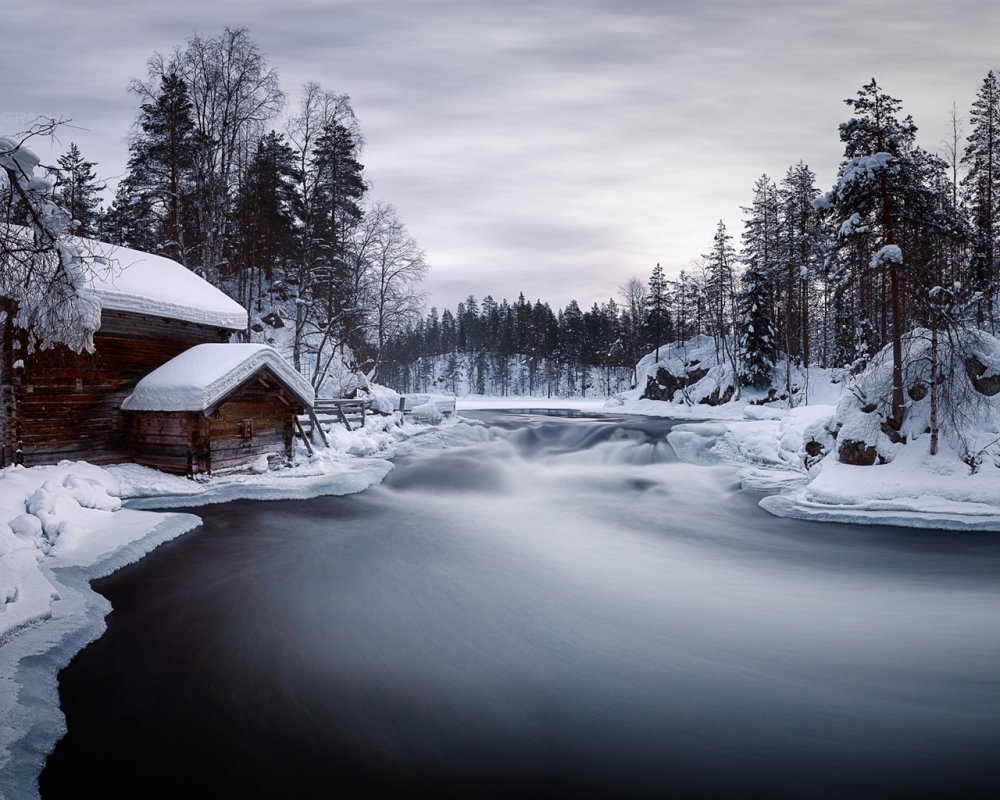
(564, 609)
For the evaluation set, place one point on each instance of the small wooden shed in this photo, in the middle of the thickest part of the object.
(216, 408)
(57, 404)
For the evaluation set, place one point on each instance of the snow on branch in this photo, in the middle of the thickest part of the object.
(862, 168)
(42, 272)
(888, 254)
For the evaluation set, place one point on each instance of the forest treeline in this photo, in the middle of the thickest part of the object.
(270, 204)
(905, 239)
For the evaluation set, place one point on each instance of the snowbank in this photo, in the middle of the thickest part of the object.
(694, 380)
(60, 527)
(914, 490)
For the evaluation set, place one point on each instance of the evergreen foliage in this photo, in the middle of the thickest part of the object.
(77, 190)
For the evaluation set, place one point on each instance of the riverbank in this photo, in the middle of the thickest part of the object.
(66, 524)
(62, 526)
(913, 490)
(562, 607)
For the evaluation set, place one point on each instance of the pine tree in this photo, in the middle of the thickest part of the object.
(657, 313)
(161, 180)
(800, 252)
(77, 190)
(982, 192)
(876, 183)
(758, 350)
(326, 299)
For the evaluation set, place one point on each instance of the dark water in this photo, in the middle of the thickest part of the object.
(564, 610)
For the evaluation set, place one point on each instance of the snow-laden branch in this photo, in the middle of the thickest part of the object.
(42, 271)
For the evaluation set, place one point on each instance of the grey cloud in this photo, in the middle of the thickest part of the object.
(550, 147)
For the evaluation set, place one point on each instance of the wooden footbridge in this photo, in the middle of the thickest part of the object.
(352, 412)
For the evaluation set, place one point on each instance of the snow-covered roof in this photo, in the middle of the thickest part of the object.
(199, 378)
(130, 280)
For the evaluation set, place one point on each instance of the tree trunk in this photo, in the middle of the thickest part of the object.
(897, 317)
(934, 389)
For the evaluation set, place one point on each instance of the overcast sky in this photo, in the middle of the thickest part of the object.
(554, 148)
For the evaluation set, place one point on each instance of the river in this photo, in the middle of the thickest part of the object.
(565, 609)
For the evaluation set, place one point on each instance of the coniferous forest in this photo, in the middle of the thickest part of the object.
(905, 240)
(271, 204)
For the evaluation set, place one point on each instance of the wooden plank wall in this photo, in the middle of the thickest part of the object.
(272, 422)
(8, 417)
(166, 440)
(68, 404)
(191, 443)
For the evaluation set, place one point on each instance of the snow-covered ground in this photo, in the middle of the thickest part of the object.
(914, 490)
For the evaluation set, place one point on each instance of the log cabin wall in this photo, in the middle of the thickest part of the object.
(256, 419)
(168, 440)
(251, 423)
(8, 418)
(68, 404)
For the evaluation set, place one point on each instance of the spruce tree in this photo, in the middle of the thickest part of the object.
(876, 182)
(77, 190)
(758, 350)
(657, 313)
(982, 192)
(161, 170)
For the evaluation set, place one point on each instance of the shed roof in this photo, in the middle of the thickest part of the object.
(144, 283)
(203, 376)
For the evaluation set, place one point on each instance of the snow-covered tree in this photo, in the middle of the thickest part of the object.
(874, 186)
(43, 273)
(720, 286)
(982, 193)
(758, 351)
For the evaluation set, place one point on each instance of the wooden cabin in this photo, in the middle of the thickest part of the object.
(58, 404)
(216, 408)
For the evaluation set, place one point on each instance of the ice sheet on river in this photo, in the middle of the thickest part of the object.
(148, 488)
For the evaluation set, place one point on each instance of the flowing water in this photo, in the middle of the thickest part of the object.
(563, 609)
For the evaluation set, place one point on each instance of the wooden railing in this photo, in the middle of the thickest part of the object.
(351, 413)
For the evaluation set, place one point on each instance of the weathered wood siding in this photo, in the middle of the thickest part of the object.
(8, 421)
(168, 440)
(68, 404)
(256, 419)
